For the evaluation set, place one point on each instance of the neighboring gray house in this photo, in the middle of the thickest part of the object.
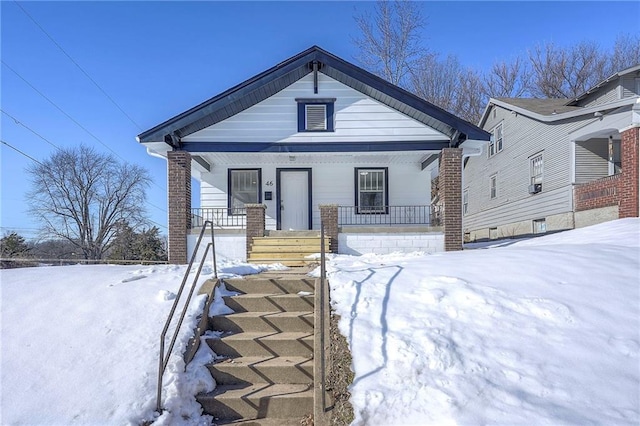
(555, 164)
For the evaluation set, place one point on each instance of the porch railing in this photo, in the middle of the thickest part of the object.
(221, 217)
(388, 215)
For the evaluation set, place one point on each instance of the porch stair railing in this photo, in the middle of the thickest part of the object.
(164, 356)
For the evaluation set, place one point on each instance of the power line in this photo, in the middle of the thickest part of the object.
(78, 66)
(61, 110)
(17, 150)
(18, 122)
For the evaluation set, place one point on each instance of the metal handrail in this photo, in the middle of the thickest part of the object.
(323, 277)
(164, 358)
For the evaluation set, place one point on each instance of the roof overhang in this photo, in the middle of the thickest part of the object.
(557, 117)
(271, 81)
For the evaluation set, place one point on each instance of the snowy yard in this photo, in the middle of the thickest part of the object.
(544, 331)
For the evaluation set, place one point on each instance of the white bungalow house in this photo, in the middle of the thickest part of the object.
(556, 164)
(313, 130)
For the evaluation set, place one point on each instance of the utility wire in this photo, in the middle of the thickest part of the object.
(79, 67)
(18, 122)
(61, 110)
(17, 150)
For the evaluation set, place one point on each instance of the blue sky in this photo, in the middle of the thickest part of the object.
(157, 59)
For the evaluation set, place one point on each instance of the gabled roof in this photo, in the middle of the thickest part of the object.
(271, 81)
(540, 106)
(548, 110)
(630, 70)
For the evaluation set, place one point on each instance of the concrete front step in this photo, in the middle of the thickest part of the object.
(235, 402)
(270, 285)
(270, 302)
(263, 322)
(263, 344)
(246, 370)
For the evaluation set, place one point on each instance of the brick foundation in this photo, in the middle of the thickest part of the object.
(179, 204)
(255, 223)
(329, 217)
(629, 187)
(450, 183)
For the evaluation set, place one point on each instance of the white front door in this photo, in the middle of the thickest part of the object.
(294, 199)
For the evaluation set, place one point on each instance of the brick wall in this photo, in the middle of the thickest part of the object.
(450, 183)
(329, 217)
(629, 181)
(255, 223)
(596, 194)
(179, 204)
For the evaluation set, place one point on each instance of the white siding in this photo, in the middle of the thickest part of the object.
(523, 137)
(357, 118)
(332, 183)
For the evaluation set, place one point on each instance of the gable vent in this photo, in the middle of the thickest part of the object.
(316, 117)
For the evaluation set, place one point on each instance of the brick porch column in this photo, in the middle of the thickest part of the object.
(451, 196)
(329, 217)
(255, 223)
(179, 203)
(628, 184)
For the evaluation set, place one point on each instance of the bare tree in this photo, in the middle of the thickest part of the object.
(449, 85)
(508, 79)
(390, 43)
(566, 72)
(80, 195)
(626, 53)
(437, 81)
(471, 100)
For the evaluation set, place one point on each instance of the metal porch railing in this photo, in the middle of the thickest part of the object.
(164, 357)
(387, 215)
(221, 217)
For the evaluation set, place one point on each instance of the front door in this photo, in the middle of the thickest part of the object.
(294, 199)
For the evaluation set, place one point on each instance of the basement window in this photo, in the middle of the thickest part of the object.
(315, 115)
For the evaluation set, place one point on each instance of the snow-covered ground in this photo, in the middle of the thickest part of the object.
(543, 331)
(80, 344)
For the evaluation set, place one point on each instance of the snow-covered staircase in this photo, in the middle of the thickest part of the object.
(266, 376)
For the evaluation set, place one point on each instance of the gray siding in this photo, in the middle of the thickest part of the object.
(629, 88)
(592, 160)
(523, 138)
(609, 93)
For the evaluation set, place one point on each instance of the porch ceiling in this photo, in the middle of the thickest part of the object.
(297, 159)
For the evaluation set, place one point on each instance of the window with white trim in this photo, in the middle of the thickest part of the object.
(372, 190)
(493, 185)
(536, 168)
(244, 188)
(497, 141)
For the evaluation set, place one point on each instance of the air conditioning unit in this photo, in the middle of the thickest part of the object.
(535, 188)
